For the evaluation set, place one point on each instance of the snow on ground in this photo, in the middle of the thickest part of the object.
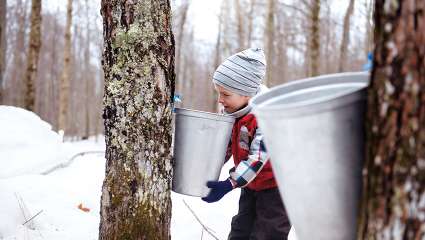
(28, 147)
(19, 130)
(216, 216)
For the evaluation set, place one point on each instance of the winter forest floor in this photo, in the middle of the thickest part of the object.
(44, 195)
(28, 147)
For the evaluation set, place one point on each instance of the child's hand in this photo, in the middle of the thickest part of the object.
(218, 190)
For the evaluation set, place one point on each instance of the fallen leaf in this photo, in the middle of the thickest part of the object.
(80, 206)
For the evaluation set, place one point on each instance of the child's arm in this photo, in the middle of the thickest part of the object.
(248, 169)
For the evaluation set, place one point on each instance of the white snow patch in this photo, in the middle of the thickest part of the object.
(28, 145)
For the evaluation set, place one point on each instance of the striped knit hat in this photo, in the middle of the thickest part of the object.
(242, 72)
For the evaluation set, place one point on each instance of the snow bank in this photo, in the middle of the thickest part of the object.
(57, 195)
(28, 146)
(27, 143)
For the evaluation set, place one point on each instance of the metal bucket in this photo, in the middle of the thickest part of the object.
(314, 132)
(200, 144)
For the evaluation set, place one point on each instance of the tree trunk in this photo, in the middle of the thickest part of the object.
(217, 54)
(226, 30)
(3, 5)
(65, 79)
(269, 33)
(345, 38)
(250, 22)
(138, 63)
(314, 38)
(15, 84)
(280, 71)
(393, 204)
(179, 60)
(53, 89)
(239, 25)
(329, 47)
(87, 76)
(369, 6)
(33, 53)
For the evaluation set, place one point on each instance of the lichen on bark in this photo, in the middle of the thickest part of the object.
(139, 84)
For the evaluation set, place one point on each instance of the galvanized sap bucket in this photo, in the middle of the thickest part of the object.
(313, 130)
(200, 144)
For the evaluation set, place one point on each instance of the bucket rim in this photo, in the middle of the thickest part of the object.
(204, 114)
(259, 102)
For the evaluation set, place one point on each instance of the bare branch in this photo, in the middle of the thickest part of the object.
(294, 8)
(21, 206)
(207, 229)
(32, 217)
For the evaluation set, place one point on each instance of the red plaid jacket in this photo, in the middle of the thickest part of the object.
(252, 168)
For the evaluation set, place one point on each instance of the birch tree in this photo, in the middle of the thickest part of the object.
(33, 53)
(393, 205)
(138, 62)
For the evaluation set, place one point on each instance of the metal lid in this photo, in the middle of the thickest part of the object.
(313, 94)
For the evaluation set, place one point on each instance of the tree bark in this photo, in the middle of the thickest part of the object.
(393, 204)
(239, 25)
(15, 84)
(250, 22)
(33, 53)
(328, 44)
(3, 5)
(217, 54)
(180, 38)
(65, 79)
(226, 30)
(87, 75)
(314, 44)
(270, 35)
(54, 73)
(345, 38)
(280, 73)
(138, 62)
(369, 6)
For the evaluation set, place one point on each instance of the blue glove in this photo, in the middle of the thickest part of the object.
(218, 190)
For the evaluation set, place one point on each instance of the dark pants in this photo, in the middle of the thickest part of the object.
(261, 216)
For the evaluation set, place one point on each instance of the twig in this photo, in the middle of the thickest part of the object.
(23, 208)
(32, 218)
(20, 206)
(67, 163)
(208, 230)
(295, 8)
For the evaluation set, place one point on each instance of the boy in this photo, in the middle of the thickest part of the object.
(261, 212)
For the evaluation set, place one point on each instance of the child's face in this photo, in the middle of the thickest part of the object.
(231, 101)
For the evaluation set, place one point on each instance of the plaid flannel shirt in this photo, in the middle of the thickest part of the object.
(252, 167)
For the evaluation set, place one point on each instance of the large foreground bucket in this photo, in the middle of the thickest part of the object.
(200, 144)
(314, 132)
